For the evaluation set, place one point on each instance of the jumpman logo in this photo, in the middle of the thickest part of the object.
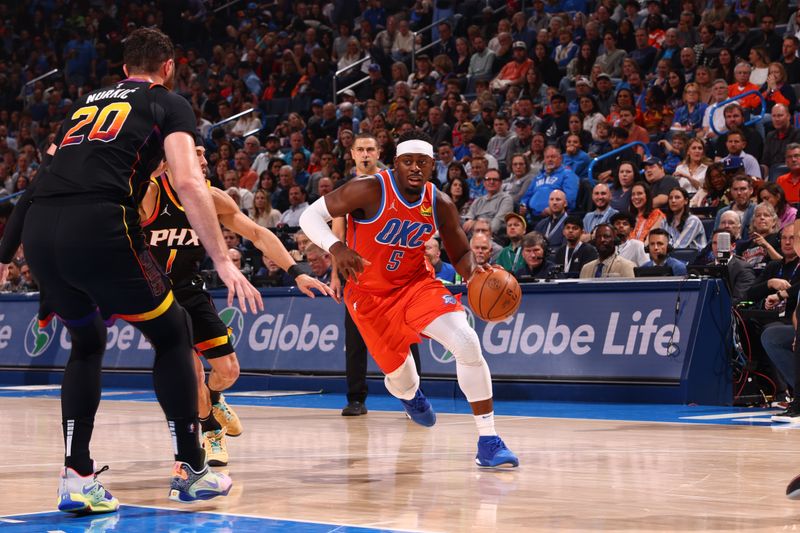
(393, 207)
(165, 212)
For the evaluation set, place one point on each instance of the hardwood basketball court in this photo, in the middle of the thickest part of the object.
(309, 469)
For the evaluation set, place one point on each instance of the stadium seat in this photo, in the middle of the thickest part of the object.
(708, 226)
(777, 170)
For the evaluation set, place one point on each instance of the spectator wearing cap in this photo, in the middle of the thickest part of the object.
(605, 95)
(790, 182)
(376, 81)
(779, 139)
(481, 63)
(630, 249)
(611, 59)
(583, 89)
(510, 257)
(602, 213)
(513, 72)
(477, 148)
(660, 183)
(271, 151)
(484, 124)
(494, 205)
(554, 176)
(574, 253)
(348, 110)
(556, 123)
(736, 143)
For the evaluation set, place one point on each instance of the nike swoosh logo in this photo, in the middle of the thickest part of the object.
(486, 416)
(212, 484)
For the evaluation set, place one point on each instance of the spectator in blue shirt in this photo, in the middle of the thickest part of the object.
(658, 248)
(444, 271)
(554, 176)
(575, 158)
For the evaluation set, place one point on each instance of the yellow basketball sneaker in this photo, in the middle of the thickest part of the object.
(216, 447)
(84, 494)
(227, 417)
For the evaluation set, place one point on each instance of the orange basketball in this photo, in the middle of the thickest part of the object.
(494, 295)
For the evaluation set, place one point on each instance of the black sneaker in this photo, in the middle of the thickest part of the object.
(790, 416)
(354, 409)
(793, 489)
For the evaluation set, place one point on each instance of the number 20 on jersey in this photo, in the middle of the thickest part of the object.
(107, 123)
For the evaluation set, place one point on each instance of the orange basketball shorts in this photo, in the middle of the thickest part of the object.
(391, 322)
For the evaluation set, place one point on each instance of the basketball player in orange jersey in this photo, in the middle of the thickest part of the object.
(393, 296)
(365, 153)
(175, 246)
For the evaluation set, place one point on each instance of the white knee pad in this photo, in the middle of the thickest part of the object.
(454, 333)
(403, 382)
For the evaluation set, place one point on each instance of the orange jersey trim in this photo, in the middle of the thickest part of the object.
(149, 315)
(173, 197)
(211, 343)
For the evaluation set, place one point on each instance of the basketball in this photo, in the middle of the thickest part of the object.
(494, 295)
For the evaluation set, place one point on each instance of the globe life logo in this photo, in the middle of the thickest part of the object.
(233, 319)
(38, 340)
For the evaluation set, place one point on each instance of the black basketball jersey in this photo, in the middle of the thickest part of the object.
(172, 240)
(112, 140)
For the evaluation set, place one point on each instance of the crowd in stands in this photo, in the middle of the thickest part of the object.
(518, 104)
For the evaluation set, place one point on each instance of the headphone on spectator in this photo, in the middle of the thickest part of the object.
(659, 231)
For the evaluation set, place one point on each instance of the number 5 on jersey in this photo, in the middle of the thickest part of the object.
(394, 260)
(103, 130)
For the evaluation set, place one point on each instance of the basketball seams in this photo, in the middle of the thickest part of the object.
(497, 299)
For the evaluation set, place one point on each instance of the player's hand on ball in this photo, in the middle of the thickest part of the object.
(306, 283)
(349, 263)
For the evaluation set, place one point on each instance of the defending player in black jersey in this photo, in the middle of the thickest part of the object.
(86, 248)
(176, 248)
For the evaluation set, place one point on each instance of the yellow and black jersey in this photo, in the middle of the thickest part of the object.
(172, 240)
(112, 140)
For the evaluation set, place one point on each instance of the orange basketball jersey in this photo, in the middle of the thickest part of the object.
(394, 239)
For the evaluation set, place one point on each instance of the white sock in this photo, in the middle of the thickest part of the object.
(485, 425)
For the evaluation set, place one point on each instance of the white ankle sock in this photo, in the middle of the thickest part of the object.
(485, 425)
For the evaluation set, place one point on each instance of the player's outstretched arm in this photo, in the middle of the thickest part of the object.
(196, 200)
(454, 239)
(232, 218)
(361, 196)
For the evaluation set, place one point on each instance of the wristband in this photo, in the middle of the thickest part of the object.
(294, 271)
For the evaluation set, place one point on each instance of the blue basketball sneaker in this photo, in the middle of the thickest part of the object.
(84, 494)
(189, 486)
(493, 453)
(419, 410)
